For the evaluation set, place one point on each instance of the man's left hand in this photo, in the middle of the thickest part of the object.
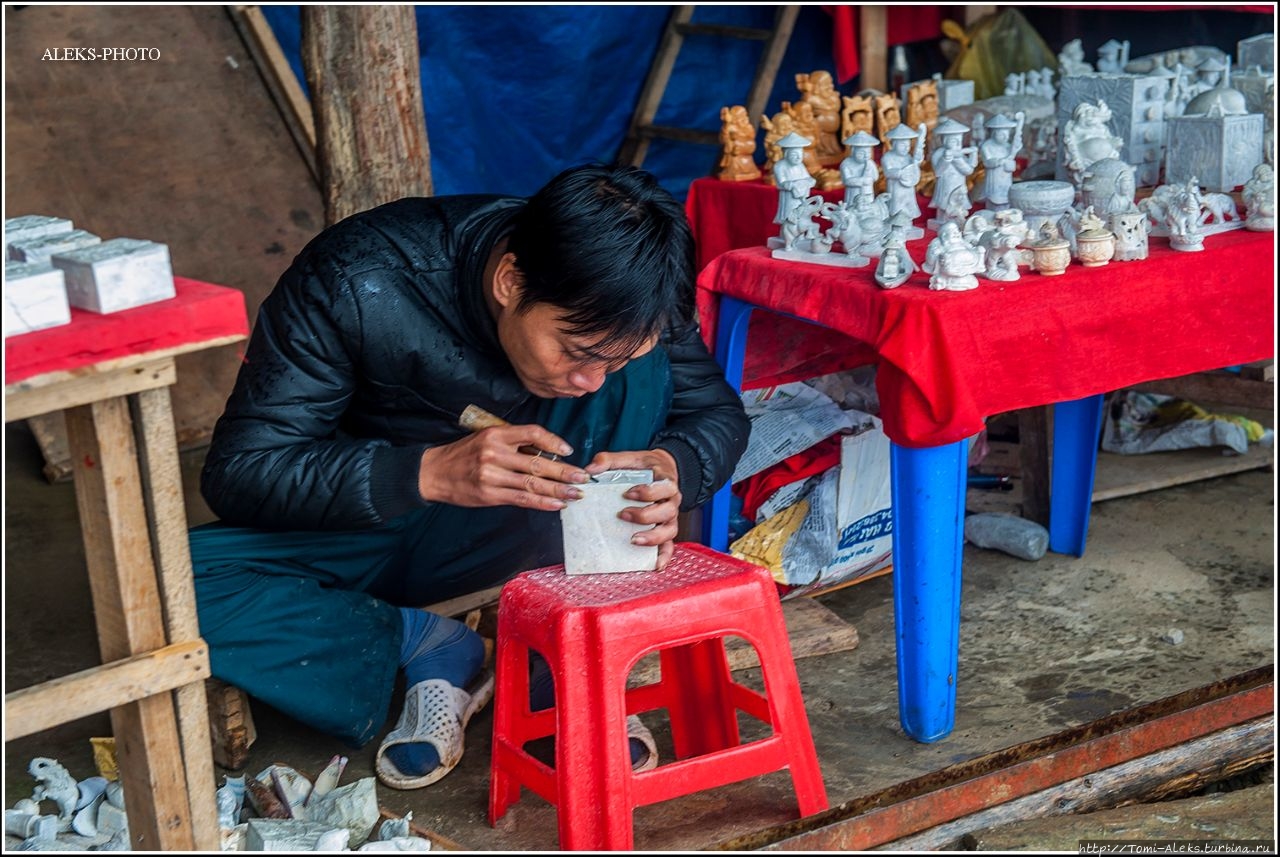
(663, 496)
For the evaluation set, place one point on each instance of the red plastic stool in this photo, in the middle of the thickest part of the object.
(592, 629)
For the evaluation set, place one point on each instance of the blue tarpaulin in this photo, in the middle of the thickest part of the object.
(514, 94)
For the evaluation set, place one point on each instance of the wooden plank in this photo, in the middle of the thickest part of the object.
(80, 694)
(22, 401)
(813, 629)
(1235, 815)
(635, 146)
(1207, 759)
(1033, 446)
(126, 601)
(1259, 370)
(231, 724)
(281, 82)
(466, 603)
(784, 23)
(167, 519)
(873, 47)
(1223, 388)
(50, 432)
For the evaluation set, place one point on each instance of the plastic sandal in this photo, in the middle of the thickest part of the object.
(436, 713)
(640, 732)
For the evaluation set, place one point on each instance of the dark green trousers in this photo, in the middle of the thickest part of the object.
(306, 621)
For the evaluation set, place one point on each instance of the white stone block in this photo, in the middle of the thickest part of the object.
(118, 274)
(596, 540)
(35, 297)
(953, 94)
(283, 834)
(31, 226)
(1220, 151)
(40, 249)
(1258, 51)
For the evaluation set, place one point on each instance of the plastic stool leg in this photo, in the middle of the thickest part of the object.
(1076, 427)
(928, 515)
(511, 702)
(782, 686)
(703, 718)
(731, 350)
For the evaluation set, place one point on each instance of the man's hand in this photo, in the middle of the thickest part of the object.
(663, 496)
(489, 468)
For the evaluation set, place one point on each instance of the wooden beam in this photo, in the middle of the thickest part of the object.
(873, 47)
(1033, 451)
(362, 68)
(21, 403)
(1217, 387)
(636, 145)
(80, 694)
(282, 84)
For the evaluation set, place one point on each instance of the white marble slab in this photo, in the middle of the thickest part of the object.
(118, 274)
(35, 297)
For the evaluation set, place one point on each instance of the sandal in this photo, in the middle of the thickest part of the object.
(641, 733)
(436, 713)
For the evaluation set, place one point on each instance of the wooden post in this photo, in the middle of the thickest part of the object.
(873, 35)
(361, 64)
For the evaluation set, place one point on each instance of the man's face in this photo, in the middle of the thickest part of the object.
(551, 363)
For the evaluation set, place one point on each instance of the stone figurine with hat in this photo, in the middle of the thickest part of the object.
(791, 176)
(953, 163)
(858, 170)
(895, 266)
(998, 153)
(902, 173)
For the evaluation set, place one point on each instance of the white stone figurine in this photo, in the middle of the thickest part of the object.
(1130, 229)
(896, 265)
(1259, 197)
(55, 784)
(799, 223)
(845, 229)
(952, 162)
(1000, 243)
(998, 157)
(901, 166)
(1087, 138)
(1015, 83)
(1071, 59)
(1113, 56)
(1184, 217)
(1046, 88)
(1109, 186)
(951, 261)
(792, 177)
(858, 170)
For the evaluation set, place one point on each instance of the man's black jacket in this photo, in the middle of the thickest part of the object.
(368, 349)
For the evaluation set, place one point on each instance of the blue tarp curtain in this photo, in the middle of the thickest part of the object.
(514, 94)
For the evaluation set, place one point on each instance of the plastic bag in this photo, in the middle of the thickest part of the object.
(997, 45)
(1139, 423)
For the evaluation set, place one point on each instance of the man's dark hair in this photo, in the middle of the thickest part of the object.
(609, 247)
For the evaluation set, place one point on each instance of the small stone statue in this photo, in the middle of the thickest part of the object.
(951, 261)
(791, 176)
(1109, 186)
(1184, 217)
(1087, 138)
(858, 171)
(846, 229)
(1071, 59)
(1050, 253)
(1001, 245)
(737, 145)
(998, 154)
(1259, 196)
(953, 163)
(902, 174)
(1095, 243)
(799, 223)
(55, 784)
(1130, 229)
(1015, 83)
(1113, 56)
(896, 265)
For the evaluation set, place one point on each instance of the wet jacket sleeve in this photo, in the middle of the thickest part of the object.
(278, 458)
(707, 428)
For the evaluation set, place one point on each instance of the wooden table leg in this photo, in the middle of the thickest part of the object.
(1033, 452)
(162, 485)
(126, 602)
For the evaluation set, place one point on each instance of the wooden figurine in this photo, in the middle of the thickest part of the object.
(888, 114)
(856, 116)
(737, 145)
(776, 128)
(806, 125)
(922, 104)
(818, 90)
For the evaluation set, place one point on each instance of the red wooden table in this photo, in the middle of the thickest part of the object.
(111, 376)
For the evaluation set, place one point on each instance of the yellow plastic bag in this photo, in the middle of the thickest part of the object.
(999, 44)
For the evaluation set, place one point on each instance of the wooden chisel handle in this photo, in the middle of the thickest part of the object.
(474, 418)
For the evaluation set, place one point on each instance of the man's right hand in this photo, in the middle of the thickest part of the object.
(493, 467)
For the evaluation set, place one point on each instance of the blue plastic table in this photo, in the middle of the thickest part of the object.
(1064, 341)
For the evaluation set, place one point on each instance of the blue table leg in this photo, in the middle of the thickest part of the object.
(731, 350)
(928, 534)
(1076, 426)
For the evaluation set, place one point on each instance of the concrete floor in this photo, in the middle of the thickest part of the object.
(1044, 646)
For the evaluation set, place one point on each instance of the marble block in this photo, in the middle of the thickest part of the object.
(1256, 86)
(283, 834)
(1137, 117)
(1220, 151)
(31, 226)
(1258, 51)
(35, 297)
(116, 274)
(41, 249)
(953, 94)
(596, 540)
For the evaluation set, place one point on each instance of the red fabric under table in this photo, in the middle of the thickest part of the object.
(947, 360)
(198, 312)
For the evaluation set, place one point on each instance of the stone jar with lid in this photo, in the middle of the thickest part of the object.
(1050, 252)
(1095, 243)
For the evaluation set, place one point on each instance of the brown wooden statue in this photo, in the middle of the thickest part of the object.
(888, 113)
(922, 104)
(737, 145)
(856, 116)
(818, 90)
(776, 128)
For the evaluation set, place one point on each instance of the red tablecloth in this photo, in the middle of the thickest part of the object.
(198, 312)
(947, 360)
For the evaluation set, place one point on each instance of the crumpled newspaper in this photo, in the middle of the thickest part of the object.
(1138, 423)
